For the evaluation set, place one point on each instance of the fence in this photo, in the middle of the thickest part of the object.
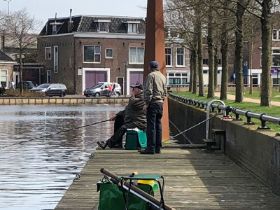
(228, 109)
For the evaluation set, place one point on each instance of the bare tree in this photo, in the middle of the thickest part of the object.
(266, 52)
(210, 43)
(19, 26)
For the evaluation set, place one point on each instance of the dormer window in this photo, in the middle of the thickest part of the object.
(55, 26)
(132, 27)
(103, 25)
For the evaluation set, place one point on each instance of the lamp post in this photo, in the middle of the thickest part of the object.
(8, 1)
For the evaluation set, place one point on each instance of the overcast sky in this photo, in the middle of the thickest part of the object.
(44, 9)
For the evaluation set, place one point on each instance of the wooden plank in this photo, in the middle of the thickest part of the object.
(194, 180)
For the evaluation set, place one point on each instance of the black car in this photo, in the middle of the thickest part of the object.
(55, 89)
(26, 85)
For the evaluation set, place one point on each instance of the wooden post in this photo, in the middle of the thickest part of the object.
(155, 50)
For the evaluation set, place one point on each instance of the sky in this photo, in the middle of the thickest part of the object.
(41, 10)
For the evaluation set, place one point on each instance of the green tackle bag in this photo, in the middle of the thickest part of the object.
(112, 197)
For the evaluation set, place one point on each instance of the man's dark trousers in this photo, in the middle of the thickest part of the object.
(154, 129)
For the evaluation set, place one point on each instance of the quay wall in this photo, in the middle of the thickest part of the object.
(65, 100)
(256, 150)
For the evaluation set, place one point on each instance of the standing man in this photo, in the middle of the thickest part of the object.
(154, 94)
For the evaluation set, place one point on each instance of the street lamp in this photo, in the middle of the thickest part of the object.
(8, 1)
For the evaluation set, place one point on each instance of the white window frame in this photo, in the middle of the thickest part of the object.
(168, 55)
(5, 75)
(277, 38)
(55, 59)
(106, 26)
(179, 76)
(138, 59)
(177, 65)
(132, 28)
(94, 53)
(106, 55)
(48, 53)
(272, 53)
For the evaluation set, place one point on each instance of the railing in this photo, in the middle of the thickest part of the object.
(228, 109)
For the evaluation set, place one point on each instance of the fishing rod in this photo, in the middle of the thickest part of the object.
(194, 126)
(50, 135)
(136, 191)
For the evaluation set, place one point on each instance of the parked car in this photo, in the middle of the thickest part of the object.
(103, 89)
(53, 89)
(25, 85)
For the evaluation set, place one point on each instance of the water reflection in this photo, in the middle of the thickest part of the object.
(37, 165)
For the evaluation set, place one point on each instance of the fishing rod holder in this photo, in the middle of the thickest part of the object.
(126, 183)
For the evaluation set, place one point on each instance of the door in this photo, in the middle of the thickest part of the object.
(136, 77)
(120, 81)
(93, 77)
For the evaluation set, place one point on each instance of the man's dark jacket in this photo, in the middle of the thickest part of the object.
(135, 112)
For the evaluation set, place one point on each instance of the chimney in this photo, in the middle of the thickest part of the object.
(70, 24)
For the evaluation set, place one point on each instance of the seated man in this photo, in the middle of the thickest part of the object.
(134, 116)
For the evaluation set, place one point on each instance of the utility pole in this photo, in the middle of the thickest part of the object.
(155, 50)
(8, 1)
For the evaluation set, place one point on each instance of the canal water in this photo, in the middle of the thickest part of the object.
(41, 150)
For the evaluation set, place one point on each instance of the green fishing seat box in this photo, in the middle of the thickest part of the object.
(111, 197)
(135, 139)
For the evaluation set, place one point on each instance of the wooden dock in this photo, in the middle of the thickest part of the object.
(194, 180)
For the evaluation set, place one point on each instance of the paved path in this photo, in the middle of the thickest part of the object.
(247, 99)
(194, 180)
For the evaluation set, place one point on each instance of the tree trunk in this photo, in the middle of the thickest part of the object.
(266, 53)
(210, 55)
(238, 51)
(199, 59)
(20, 72)
(194, 71)
(191, 71)
(216, 64)
(224, 52)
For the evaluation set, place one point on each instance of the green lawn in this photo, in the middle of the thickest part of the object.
(256, 93)
(253, 107)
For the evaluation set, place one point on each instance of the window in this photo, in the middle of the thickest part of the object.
(48, 53)
(177, 78)
(275, 34)
(109, 53)
(132, 28)
(103, 27)
(205, 61)
(255, 79)
(3, 78)
(168, 56)
(275, 81)
(55, 59)
(48, 76)
(136, 55)
(276, 57)
(92, 54)
(180, 57)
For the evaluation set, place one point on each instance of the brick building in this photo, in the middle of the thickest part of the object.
(81, 51)
(6, 69)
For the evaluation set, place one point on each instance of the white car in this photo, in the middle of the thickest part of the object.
(103, 89)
